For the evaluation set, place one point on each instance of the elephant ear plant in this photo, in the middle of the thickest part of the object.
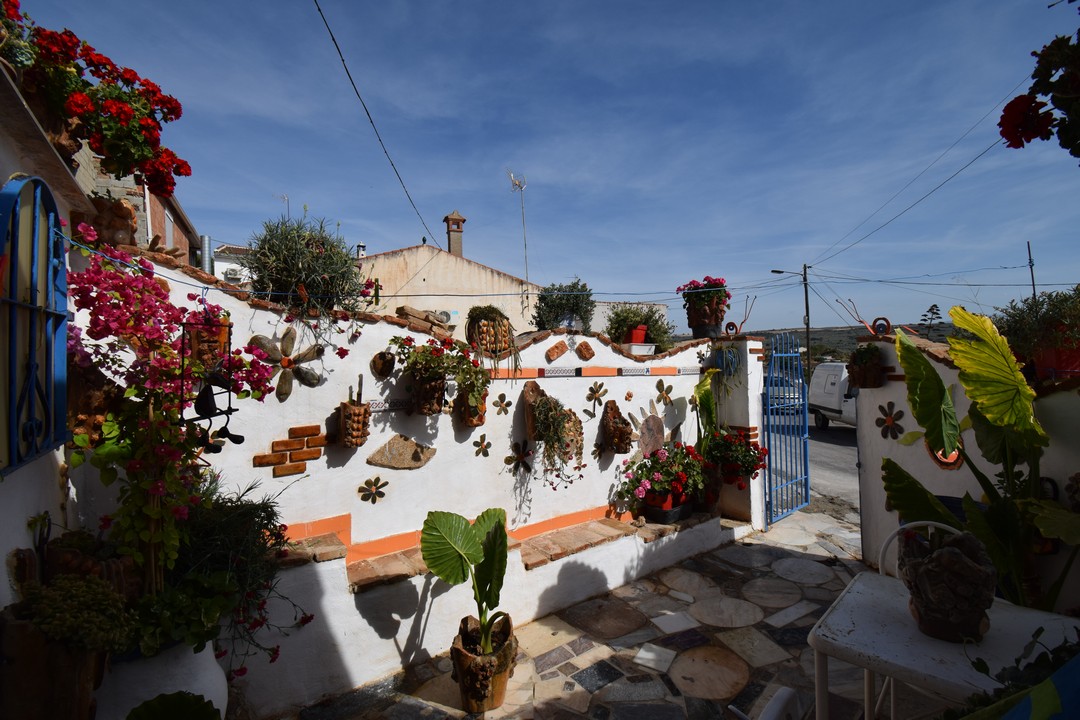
(1008, 435)
(456, 551)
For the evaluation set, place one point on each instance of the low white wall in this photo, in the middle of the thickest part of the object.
(1056, 412)
(358, 639)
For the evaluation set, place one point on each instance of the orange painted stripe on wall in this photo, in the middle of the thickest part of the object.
(382, 546)
(340, 525)
(404, 541)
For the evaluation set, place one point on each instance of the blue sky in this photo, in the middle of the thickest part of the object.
(661, 141)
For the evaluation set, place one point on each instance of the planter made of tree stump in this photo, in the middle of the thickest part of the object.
(354, 420)
(209, 345)
(468, 415)
(482, 678)
(706, 319)
(429, 395)
(44, 679)
(951, 586)
(866, 376)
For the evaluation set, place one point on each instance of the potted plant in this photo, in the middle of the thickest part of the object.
(432, 363)
(706, 301)
(864, 367)
(664, 483)
(557, 430)
(119, 114)
(734, 457)
(485, 648)
(951, 580)
(565, 305)
(488, 329)
(648, 321)
(1008, 435)
(1044, 332)
(54, 643)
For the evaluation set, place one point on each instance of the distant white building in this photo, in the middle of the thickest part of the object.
(227, 265)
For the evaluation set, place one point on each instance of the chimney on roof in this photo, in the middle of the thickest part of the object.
(454, 223)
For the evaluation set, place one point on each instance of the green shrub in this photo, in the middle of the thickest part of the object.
(301, 264)
(81, 611)
(557, 301)
(1050, 319)
(627, 316)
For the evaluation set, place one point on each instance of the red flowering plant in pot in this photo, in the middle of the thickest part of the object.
(80, 94)
(706, 302)
(144, 442)
(734, 456)
(431, 363)
(666, 480)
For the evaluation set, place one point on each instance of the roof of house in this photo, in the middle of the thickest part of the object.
(432, 249)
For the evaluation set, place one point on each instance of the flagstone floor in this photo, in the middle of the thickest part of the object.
(728, 627)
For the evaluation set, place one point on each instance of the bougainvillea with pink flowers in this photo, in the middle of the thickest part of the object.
(135, 334)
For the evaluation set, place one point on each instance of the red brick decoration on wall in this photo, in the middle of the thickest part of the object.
(290, 456)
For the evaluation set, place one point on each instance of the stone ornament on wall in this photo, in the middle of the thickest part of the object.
(402, 453)
(289, 366)
(616, 432)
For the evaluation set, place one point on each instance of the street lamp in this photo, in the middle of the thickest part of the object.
(806, 305)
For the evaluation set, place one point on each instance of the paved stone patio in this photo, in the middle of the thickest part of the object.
(727, 627)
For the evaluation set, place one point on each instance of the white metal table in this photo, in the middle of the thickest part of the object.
(869, 626)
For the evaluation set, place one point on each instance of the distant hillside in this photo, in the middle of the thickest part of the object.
(838, 342)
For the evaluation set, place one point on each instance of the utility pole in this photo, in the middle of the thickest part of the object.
(806, 307)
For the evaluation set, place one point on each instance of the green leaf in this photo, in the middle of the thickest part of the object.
(131, 392)
(81, 440)
(910, 438)
(910, 499)
(1055, 521)
(449, 545)
(991, 377)
(706, 405)
(77, 458)
(930, 401)
(108, 476)
(492, 569)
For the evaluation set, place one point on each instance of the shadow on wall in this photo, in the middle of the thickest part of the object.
(398, 603)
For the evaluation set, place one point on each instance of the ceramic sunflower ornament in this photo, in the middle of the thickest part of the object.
(280, 353)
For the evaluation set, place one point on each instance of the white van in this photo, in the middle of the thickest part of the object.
(830, 397)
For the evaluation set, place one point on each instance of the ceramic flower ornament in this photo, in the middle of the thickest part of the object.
(280, 353)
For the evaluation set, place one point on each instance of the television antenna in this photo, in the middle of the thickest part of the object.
(518, 184)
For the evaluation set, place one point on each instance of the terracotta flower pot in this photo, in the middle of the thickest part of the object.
(471, 416)
(481, 678)
(666, 508)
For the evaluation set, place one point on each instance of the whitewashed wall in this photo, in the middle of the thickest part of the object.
(361, 638)
(1058, 414)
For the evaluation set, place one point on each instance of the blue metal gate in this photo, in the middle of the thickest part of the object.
(787, 436)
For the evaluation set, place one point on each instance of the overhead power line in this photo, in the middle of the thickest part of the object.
(978, 122)
(372, 121)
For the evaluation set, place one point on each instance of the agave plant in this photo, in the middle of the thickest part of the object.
(456, 551)
(1007, 433)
